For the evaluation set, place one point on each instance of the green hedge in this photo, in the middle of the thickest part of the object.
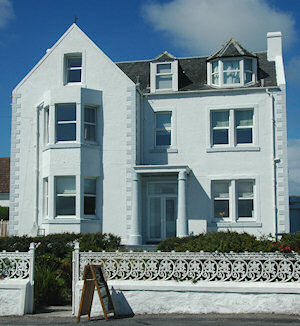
(4, 213)
(231, 241)
(53, 267)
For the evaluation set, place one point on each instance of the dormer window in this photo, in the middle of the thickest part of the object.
(232, 72)
(164, 76)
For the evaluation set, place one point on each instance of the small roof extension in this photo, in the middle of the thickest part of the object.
(231, 48)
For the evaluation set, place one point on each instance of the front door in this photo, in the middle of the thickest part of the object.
(162, 213)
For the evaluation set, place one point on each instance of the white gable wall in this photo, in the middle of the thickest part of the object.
(106, 161)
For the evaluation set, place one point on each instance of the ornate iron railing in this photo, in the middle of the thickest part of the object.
(200, 266)
(17, 265)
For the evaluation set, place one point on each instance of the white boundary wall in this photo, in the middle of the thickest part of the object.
(155, 282)
(17, 282)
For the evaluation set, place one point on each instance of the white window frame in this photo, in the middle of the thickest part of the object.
(65, 122)
(173, 147)
(68, 69)
(154, 74)
(64, 195)
(241, 71)
(90, 195)
(232, 144)
(85, 123)
(156, 129)
(233, 201)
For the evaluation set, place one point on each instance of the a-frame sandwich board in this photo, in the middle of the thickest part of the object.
(93, 276)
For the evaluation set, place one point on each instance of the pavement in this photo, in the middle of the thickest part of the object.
(63, 316)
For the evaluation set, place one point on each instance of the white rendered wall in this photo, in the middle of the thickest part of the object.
(192, 135)
(16, 297)
(107, 161)
(162, 297)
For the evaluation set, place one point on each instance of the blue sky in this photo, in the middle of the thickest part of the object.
(136, 29)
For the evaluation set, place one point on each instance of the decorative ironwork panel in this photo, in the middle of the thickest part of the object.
(200, 266)
(15, 265)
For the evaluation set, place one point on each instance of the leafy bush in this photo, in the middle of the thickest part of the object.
(53, 267)
(4, 213)
(219, 241)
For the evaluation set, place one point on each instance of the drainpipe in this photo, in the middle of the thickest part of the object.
(274, 162)
(37, 168)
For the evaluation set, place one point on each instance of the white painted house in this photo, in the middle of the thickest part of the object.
(150, 149)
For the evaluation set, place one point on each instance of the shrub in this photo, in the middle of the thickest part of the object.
(4, 213)
(219, 241)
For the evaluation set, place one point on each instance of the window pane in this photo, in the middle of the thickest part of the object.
(248, 77)
(231, 77)
(90, 132)
(164, 82)
(155, 218)
(65, 185)
(74, 62)
(244, 136)
(90, 205)
(245, 189)
(90, 186)
(163, 68)
(231, 65)
(221, 208)
(89, 115)
(74, 76)
(220, 136)
(163, 120)
(66, 112)
(215, 66)
(244, 118)
(221, 189)
(65, 205)
(66, 132)
(245, 207)
(248, 64)
(220, 119)
(215, 79)
(162, 188)
(163, 138)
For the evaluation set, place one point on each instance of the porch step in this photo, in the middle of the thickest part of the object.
(150, 247)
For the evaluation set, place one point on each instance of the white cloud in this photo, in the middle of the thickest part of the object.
(6, 12)
(292, 71)
(294, 166)
(202, 26)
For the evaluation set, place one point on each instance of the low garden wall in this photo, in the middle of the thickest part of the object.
(16, 282)
(202, 282)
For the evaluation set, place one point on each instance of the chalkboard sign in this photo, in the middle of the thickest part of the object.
(93, 276)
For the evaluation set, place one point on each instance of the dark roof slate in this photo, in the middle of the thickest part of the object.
(4, 174)
(231, 48)
(192, 73)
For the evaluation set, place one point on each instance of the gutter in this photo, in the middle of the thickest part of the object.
(215, 90)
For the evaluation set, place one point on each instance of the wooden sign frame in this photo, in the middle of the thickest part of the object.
(93, 276)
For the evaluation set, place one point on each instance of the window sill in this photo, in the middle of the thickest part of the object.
(235, 224)
(233, 149)
(62, 220)
(164, 150)
(65, 145)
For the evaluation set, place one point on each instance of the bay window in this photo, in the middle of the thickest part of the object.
(90, 123)
(90, 192)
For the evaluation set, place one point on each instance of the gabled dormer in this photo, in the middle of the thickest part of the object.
(164, 73)
(232, 66)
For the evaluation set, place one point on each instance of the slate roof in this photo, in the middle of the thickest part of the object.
(192, 72)
(4, 174)
(231, 48)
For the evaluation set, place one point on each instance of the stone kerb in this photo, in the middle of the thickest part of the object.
(240, 282)
(17, 282)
